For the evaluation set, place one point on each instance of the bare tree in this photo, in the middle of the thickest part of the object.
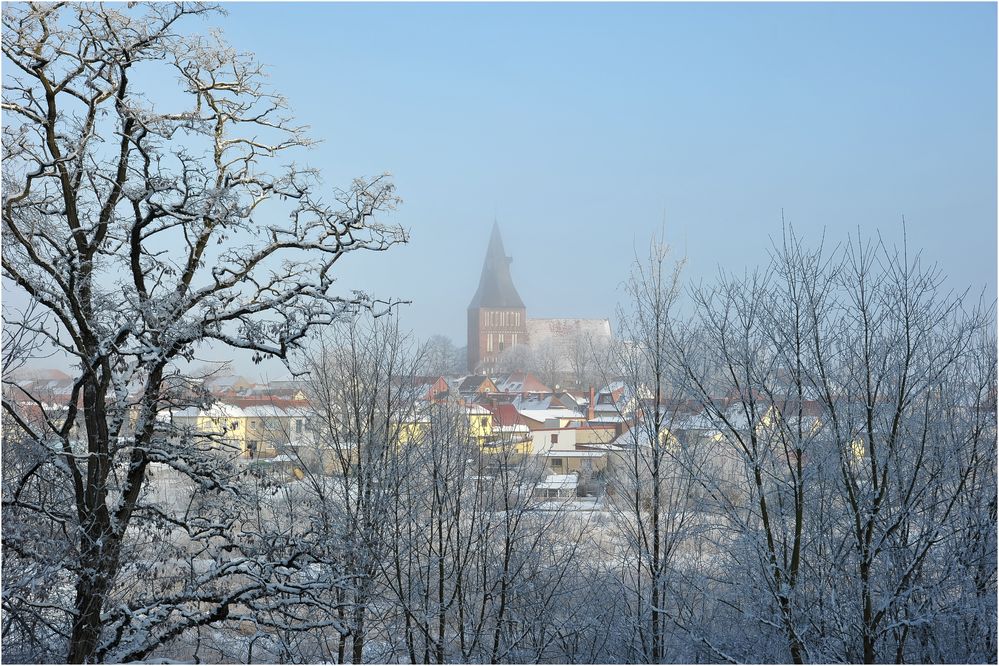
(655, 476)
(434, 522)
(904, 372)
(441, 357)
(853, 394)
(746, 358)
(547, 361)
(360, 390)
(141, 232)
(517, 358)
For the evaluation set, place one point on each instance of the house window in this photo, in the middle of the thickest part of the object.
(555, 441)
(298, 426)
(484, 421)
(556, 462)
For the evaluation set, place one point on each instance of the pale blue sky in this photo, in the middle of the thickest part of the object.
(579, 125)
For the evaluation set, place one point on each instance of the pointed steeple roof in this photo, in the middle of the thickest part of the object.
(496, 288)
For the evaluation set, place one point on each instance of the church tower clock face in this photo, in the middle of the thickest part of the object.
(497, 318)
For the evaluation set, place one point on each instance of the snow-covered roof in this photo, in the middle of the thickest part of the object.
(613, 418)
(511, 428)
(265, 411)
(522, 403)
(602, 447)
(185, 413)
(543, 415)
(699, 421)
(559, 482)
(223, 410)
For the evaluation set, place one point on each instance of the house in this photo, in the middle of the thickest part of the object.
(553, 439)
(582, 463)
(523, 383)
(545, 413)
(271, 429)
(557, 485)
(423, 388)
(474, 387)
(223, 423)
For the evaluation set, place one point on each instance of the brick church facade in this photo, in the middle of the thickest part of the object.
(497, 318)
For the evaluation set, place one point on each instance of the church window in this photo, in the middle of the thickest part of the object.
(489, 342)
(513, 339)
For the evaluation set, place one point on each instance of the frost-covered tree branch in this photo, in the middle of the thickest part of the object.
(141, 232)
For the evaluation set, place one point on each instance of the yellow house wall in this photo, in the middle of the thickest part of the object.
(595, 436)
(231, 428)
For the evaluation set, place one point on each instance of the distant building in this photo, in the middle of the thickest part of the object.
(497, 321)
(571, 341)
(497, 318)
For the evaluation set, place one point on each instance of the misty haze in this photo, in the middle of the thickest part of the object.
(499, 333)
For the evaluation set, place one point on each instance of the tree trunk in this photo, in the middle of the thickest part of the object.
(91, 593)
(357, 657)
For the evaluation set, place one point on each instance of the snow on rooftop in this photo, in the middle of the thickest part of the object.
(558, 482)
(223, 410)
(554, 453)
(511, 428)
(603, 447)
(546, 414)
(264, 410)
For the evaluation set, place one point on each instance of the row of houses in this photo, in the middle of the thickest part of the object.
(572, 433)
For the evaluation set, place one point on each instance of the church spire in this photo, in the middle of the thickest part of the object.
(496, 288)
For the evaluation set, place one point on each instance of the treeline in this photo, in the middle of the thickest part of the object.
(809, 476)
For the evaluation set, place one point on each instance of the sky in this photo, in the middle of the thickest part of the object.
(585, 128)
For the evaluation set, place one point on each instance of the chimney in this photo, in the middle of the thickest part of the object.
(589, 408)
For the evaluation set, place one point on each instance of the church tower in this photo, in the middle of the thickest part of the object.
(497, 319)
